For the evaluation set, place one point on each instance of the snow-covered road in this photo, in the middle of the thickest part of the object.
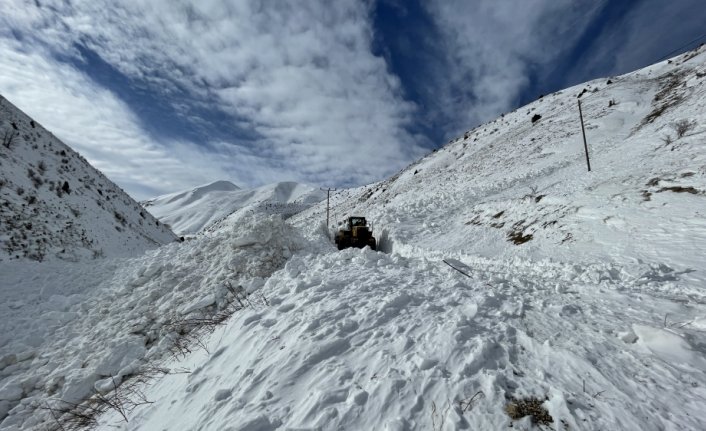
(365, 340)
(359, 339)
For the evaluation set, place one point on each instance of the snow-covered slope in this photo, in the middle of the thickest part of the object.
(191, 211)
(517, 188)
(511, 282)
(55, 205)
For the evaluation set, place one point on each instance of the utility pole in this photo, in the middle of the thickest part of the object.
(328, 199)
(583, 131)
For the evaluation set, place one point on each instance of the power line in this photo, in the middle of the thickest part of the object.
(669, 54)
(682, 47)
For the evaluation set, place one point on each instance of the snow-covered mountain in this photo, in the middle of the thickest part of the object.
(512, 288)
(191, 211)
(518, 187)
(55, 205)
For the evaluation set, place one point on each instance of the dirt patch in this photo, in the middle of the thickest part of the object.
(679, 189)
(475, 221)
(544, 218)
(547, 224)
(518, 238)
(667, 97)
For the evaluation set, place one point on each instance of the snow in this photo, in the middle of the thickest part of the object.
(669, 346)
(359, 339)
(191, 211)
(505, 272)
(88, 326)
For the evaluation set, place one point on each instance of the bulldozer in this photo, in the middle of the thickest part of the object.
(355, 233)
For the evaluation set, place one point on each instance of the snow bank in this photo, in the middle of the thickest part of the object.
(103, 327)
(668, 346)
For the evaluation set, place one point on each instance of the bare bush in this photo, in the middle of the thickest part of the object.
(531, 195)
(122, 399)
(438, 417)
(70, 416)
(190, 331)
(683, 126)
(8, 137)
(468, 403)
(667, 140)
(36, 180)
(126, 395)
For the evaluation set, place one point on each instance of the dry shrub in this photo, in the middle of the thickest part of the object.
(682, 127)
(517, 409)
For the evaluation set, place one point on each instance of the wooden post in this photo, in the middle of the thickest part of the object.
(328, 196)
(583, 131)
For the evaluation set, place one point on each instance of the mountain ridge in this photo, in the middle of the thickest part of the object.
(194, 210)
(55, 205)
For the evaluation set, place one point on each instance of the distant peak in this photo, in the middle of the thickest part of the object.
(221, 185)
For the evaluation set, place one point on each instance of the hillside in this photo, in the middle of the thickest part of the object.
(513, 288)
(55, 205)
(193, 210)
(518, 188)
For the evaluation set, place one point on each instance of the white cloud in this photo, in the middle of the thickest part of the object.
(647, 32)
(94, 122)
(493, 45)
(301, 76)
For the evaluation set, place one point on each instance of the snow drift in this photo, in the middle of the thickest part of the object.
(87, 334)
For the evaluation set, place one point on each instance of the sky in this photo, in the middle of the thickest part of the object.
(164, 95)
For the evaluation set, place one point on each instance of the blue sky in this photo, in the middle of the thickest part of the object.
(168, 94)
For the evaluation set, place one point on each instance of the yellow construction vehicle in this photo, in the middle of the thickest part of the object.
(355, 233)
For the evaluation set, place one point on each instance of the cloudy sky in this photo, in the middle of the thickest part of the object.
(162, 95)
